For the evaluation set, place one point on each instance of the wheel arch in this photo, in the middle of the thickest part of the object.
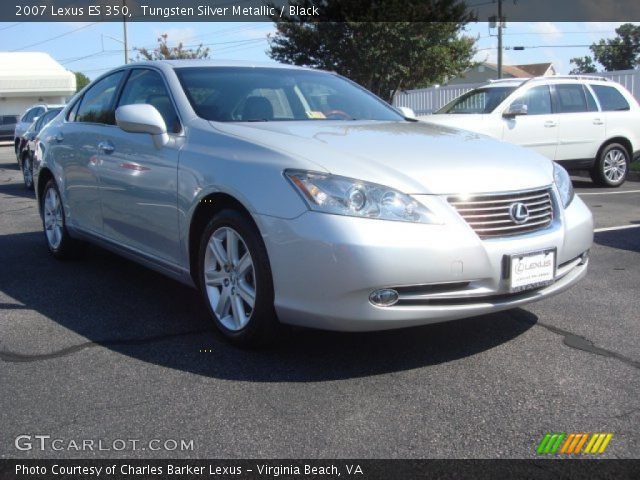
(624, 141)
(43, 177)
(208, 206)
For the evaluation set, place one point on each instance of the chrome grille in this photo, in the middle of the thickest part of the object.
(489, 214)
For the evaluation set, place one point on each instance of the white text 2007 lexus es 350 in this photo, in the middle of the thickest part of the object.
(290, 195)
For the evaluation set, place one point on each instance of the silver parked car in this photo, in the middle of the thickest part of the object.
(27, 119)
(290, 195)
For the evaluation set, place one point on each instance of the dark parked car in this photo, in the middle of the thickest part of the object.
(29, 142)
(7, 126)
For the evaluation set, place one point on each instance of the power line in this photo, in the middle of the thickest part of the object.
(231, 45)
(56, 37)
(11, 26)
(481, 4)
(559, 32)
(573, 46)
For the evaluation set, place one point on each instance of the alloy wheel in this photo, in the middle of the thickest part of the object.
(615, 165)
(230, 279)
(27, 172)
(53, 221)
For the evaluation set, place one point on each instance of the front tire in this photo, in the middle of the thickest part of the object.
(60, 243)
(611, 166)
(235, 279)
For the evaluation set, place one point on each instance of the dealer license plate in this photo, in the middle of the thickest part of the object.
(531, 270)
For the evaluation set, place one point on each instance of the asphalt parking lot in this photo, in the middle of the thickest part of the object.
(105, 349)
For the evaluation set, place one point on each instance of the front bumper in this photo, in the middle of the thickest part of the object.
(326, 266)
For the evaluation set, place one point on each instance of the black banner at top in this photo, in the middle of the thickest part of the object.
(314, 10)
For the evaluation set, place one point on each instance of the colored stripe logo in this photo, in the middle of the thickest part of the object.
(574, 443)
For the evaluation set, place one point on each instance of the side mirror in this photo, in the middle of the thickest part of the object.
(407, 112)
(143, 118)
(516, 109)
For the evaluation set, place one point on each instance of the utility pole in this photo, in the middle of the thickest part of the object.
(500, 21)
(126, 43)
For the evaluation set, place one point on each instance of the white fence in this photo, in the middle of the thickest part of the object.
(427, 100)
(630, 79)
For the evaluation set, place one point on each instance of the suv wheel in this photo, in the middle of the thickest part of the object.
(611, 166)
(235, 279)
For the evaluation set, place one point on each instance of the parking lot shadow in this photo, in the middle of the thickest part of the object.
(621, 239)
(131, 310)
(582, 183)
(16, 190)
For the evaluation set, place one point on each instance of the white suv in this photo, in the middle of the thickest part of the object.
(582, 122)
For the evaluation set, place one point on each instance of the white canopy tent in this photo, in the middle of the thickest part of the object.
(28, 78)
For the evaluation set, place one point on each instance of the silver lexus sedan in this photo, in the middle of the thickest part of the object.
(294, 196)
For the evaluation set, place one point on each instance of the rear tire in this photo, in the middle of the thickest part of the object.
(236, 281)
(60, 243)
(612, 166)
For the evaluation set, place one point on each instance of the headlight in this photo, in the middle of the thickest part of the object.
(563, 182)
(346, 196)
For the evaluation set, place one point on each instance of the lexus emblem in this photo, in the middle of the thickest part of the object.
(519, 213)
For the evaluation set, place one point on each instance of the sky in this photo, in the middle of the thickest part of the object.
(94, 48)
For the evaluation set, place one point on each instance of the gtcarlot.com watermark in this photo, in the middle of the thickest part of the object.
(47, 443)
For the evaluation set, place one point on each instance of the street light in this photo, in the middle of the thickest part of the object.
(126, 50)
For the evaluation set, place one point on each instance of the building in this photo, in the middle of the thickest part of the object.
(484, 72)
(27, 78)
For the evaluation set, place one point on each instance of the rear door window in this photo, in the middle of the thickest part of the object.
(611, 100)
(591, 102)
(571, 98)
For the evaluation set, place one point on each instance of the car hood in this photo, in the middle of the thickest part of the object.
(413, 157)
(480, 123)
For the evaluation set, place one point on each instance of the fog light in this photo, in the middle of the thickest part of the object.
(384, 297)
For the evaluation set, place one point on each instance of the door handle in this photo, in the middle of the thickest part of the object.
(550, 124)
(598, 121)
(58, 138)
(106, 147)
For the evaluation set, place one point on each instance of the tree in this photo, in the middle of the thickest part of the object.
(583, 65)
(164, 52)
(621, 52)
(379, 51)
(81, 81)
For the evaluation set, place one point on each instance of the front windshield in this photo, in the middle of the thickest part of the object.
(480, 100)
(241, 94)
(45, 119)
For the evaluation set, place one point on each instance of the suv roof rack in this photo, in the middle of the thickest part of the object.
(551, 77)
(504, 80)
(576, 77)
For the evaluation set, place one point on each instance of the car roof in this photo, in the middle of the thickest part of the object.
(518, 82)
(194, 63)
